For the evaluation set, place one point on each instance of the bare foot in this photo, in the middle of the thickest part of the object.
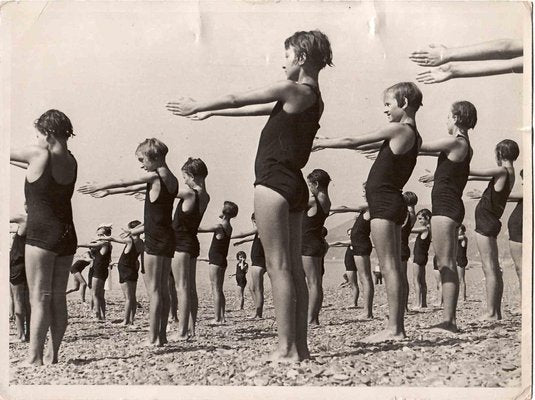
(27, 363)
(149, 344)
(314, 322)
(444, 327)
(383, 336)
(279, 356)
(365, 317)
(488, 317)
(20, 339)
(50, 357)
(179, 338)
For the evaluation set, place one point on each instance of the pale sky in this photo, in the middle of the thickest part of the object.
(112, 67)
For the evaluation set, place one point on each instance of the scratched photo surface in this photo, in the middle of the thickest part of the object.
(112, 67)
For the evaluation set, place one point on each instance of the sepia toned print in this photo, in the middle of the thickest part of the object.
(380, 149)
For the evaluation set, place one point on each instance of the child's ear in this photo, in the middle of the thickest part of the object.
(405, 103)
(302, 59)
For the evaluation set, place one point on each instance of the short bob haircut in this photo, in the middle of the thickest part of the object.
(406, 90)
(466, 114)
(153, 148)
(507, 150)
(133, 224)
(230, 209)
(319, 176)
(424, 212)
(241, 254)
(54, 122)
(314, 45)
(195, 167)
(410, 198)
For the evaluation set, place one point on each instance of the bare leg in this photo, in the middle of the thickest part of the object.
(516, 254)
(220, 283)
(488, 250)
(387, 238)
(257, 285)
(405, 285)
(127, 303)
(11, 304)
(213, 271)
(462, 283)
(39, 273)
(76, 285)
(241, 297)
(445, 234)
(98, 295)
(420, 285)
(132, 286)
(289, 296)
(173, 299)
(58, 322)
(365, 274)
(353, 281)
(153, 276)
(193, 295)
(312, 268)
(20, 309)
(164, 298)
(180, 266)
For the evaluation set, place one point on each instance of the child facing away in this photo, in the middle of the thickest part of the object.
(281, 193)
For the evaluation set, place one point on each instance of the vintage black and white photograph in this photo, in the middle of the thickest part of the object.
(267, 199)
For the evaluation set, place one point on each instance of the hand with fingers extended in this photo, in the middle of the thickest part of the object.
(125, 234)
(183, 107)
(88, 188)
(474, 194)
(140, 196)
(427, 179)
(100, 194)
(200, 116)
(432, 56)
(436, 75)
(317, 144)
(370, 154)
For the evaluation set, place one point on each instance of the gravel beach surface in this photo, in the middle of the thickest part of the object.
(483, 354)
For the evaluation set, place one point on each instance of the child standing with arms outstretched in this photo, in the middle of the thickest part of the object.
(312, 246)
(453, 165)
(462, 260)
(399, 143)
(281, 193)
(217, 256)
(193, 202)
(421, 256)
(258, 267)
(488, 213)
(161, 190)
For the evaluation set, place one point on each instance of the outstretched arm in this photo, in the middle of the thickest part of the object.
(340, 243)
(18, 219)
(471, 69)
(279, 91)
(208, 229)
(128, 189)
(437, 54)
(485, 174)
(387, 132)
(93, 245)
(247, 111)
(244, 234)
(345, 209)
(122, 183)
(116, 239)
(19, 164)
(515, 197)
(243, 241)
